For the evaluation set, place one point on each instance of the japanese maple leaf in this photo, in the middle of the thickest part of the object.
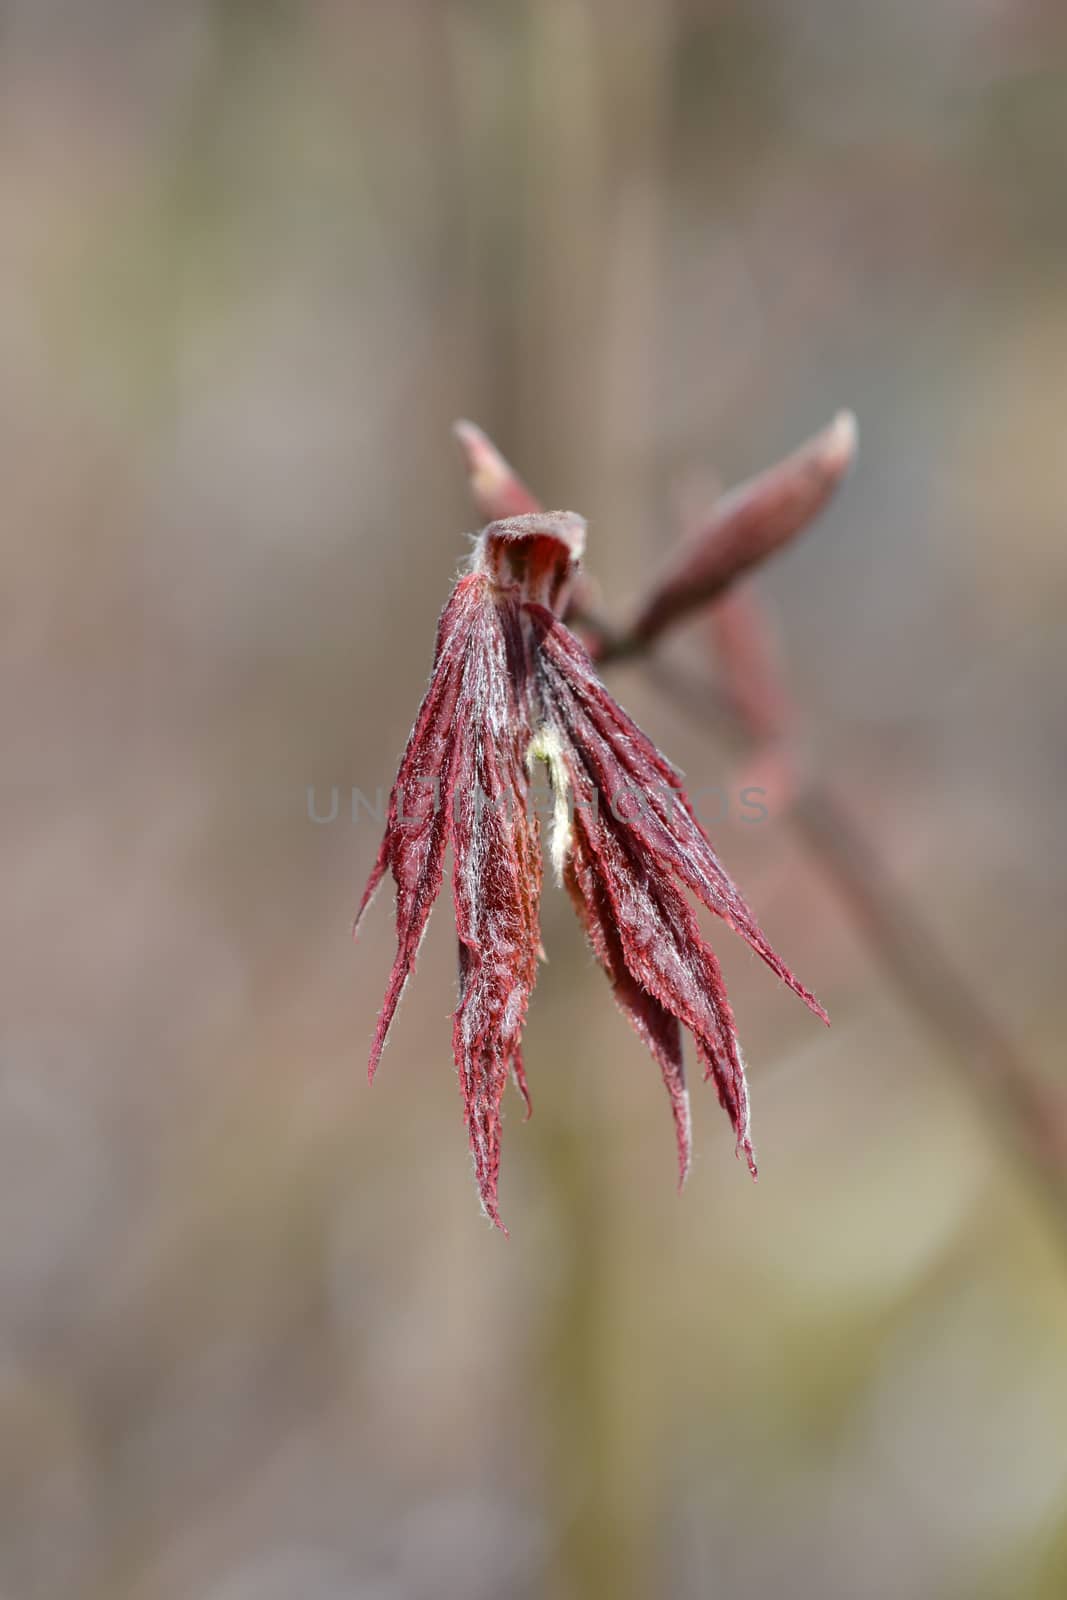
(511, 686)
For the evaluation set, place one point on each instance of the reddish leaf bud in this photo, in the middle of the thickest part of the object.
(496, 488)
(747, 525)
(511, 685)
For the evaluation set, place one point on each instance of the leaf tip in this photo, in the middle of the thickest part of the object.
(840, 442)
(816, 1009)
(489, 1206)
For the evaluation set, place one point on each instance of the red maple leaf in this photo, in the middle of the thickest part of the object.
(511, 685)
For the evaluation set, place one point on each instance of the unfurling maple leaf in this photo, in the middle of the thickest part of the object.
(511, 686)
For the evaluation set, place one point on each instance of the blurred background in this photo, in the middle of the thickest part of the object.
(256, 1340)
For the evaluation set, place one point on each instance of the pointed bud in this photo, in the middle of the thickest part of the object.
(496, 488)
(746, 526)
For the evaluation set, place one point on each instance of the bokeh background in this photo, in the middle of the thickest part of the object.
(256, 1340)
